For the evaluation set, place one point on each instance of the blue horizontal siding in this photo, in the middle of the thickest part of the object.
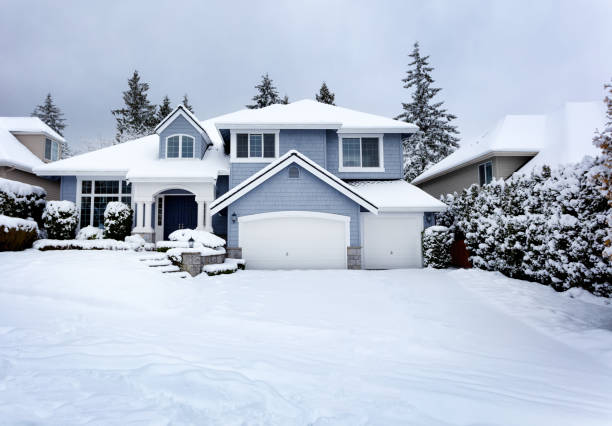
(180, 125)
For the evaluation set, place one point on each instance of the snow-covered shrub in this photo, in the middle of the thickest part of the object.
(117, 220)
(437, 241)
(21, 200)
(220, 268)
(90, 233)
(548, 227)
(16, 233)
(104, 244)
(60, 219)
(207, 239)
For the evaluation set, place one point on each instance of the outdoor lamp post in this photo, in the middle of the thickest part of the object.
(191, 241)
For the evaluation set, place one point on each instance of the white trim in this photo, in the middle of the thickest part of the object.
(289, 158)
(360, 169)
(180, 152)
(180, 111)
(307, 126)
(249, 132)
(489, 161)
(369, 130)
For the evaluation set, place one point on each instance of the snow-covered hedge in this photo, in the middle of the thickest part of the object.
(437, 241)
(220, 268)
(117, 220)
(21, 200)
(548, 227)
(207, 239)
(90, 233)
(104, 244)
(60, 219)
(16, 233)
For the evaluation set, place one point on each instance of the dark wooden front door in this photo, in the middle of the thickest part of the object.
(180, 212)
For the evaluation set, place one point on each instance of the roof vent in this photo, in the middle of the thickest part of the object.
(294, 172)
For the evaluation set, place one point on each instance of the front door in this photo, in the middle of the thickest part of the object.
(180, 212)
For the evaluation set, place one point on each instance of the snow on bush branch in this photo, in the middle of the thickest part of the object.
(548, 227)
(117, 220)
(60, 219)
(436, 246)
(21, 200)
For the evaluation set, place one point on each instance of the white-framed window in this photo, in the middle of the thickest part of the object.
(485, 173)
(94, 195)
(51, 150)
(360, 153)
(180, 146)
(255, 146)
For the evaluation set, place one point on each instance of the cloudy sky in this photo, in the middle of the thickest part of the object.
(490, 58)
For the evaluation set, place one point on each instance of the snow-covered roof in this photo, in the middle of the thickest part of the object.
(139, 160)
(12, 152)
(397, 196)
(310, 114)
(560, 137)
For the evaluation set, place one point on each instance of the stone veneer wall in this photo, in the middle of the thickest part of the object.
(353, 257)
(194, 262)
(234, 252)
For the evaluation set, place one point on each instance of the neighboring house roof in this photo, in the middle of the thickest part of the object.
(310, 114)
(139, 160)
(291, 157)
(397, 196)
(560, 137)
(12, 152)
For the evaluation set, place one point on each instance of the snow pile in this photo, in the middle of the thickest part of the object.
(8, 222)
(90, 233)
(18, 199)
(548, 227)
(60, 219)
(205, 238)
(220, 268)
(117, 220)
(240, 263)
(103, 244)
(436, 246)
(176, 254)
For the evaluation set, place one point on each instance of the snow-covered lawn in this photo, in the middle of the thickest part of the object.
(100, 338)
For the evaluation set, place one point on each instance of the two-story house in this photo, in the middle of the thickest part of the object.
(303, 185)
(27, 143)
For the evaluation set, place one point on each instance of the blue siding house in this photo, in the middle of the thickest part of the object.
(303, 185)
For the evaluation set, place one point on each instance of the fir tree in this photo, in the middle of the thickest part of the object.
(164, 109)
(186, 103)
(137, 118)
(325, 96)
(266, 95)
(52, 116)
(435, 138)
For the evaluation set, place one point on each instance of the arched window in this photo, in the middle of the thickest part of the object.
(180, 146)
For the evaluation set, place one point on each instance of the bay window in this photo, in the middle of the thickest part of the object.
(361, 153)
(96, 194)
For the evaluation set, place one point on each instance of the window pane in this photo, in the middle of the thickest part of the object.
(127, 201)
(126, 188)
(48, 149)
(369, 152)
(86, 187)
(481, 174)
(106, 187)
(255, 146)
(242, 145)
(173, 147)
(351, 155)
(269, 146)
(187, 148)
(85, 211)
(99, 207)
(54, 151)
(160, 212)
(489, 172)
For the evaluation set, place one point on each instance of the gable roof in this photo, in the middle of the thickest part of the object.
(12, 152)
(557, 138)
(180, 110)
(310, 114)
(291, 157)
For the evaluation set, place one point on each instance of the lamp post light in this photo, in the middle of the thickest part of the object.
(191, 241)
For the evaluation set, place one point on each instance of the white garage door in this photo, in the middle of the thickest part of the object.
(391, 240)
(294, 240)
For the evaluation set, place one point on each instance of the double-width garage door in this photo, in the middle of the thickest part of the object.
(391, 240)
(294, 240)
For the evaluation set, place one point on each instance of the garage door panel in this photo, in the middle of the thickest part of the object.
(294, 243)
(391, 241)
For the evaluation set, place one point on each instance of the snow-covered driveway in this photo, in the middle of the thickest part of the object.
(99, 338)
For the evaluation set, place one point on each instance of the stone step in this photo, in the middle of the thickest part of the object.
(179, 274)
(169, 268)
(158, 256)
(160, 262)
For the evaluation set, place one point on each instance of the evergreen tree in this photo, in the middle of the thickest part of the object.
(266, 95)
(285, 100)
(52, 116)
(325, 96)
(186, 103)
(435, 138)
(137, 118)
(603, 173)
(164, 109)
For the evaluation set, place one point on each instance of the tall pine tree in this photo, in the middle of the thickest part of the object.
(137, 118)
(52, 116)
(267, 94)
(164, 109)
(325, 95)
(436, 136)
(186, 103)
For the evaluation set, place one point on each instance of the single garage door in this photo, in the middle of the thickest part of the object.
(294, 240)
(391, 240)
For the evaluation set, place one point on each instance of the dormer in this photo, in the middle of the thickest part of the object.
(181, 136)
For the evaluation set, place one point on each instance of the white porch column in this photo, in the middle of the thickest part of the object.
(201, 216)
(147, 216)
(207, 218)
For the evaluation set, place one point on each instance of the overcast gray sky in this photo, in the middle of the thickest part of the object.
(490, 58)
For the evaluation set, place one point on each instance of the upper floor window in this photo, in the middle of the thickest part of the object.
(485, 173)
(180, 146)
(256, 146)
(361, 153)
(51, 150)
